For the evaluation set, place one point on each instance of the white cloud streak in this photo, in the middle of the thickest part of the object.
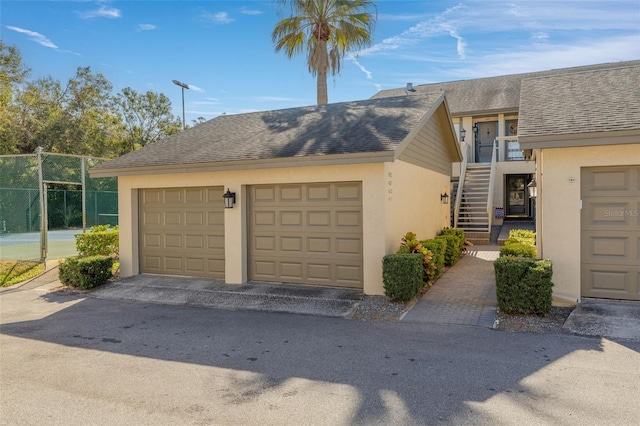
(195, 88)
(218, 17)
(34, 36)
(102, 12)
(146, 27)
(251, 12)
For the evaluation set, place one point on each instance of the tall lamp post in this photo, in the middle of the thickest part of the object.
(184, 86)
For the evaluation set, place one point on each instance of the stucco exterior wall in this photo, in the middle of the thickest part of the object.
(412, 196)
(374, 188)
(558, 208)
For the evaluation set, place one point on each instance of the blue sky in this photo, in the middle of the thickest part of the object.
(223, 49)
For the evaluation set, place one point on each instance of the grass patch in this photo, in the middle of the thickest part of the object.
(14, 272)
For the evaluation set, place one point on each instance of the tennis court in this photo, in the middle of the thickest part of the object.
(26, 246)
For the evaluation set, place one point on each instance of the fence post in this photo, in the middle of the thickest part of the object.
(43, 209)
(84, 197)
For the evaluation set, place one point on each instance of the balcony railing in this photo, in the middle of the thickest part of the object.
(510, 146)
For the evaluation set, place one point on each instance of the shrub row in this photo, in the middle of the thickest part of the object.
(402, 275)
(85, 272)
(523, 286)
(455, 242)
(100, 240)
(402, 280)
(438, 247)
(521, 243)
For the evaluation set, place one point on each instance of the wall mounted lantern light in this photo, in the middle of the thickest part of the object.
(533, 188)
(463, 133)
(229, 199)
(444, 198)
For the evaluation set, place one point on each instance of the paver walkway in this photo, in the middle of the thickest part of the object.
(464, 295)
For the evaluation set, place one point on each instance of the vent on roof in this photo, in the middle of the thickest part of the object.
(409, 88)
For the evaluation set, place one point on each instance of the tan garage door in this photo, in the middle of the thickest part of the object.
(306, 234)
(610, 252)
(182, 231)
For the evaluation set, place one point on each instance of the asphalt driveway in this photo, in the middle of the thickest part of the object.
(68, 359)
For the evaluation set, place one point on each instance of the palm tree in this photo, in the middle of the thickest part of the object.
(328, 29)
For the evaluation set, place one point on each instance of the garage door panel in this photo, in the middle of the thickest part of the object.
(610, 239)
(189, 238)
(317, 238)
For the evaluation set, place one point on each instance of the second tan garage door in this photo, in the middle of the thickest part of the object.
(306, 234)
(181, 231)
(610, 254)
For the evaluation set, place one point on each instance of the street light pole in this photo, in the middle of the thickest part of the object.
(183, 86)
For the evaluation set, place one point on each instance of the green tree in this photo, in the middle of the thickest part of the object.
(13, 74)
(146, 117)
(327, 30)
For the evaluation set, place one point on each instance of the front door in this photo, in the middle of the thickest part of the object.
(485, 136)
(517, 196)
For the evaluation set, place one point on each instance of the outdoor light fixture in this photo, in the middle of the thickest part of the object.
(183, 86)
(444, 198)
(463, 133)
(229, 199)
(533, 188)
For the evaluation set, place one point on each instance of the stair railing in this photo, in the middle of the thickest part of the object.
(492, 174)
(463, 173)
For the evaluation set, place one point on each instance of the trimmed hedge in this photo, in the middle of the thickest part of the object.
(438, 247)
(455, 241)
(525, 236)
(514, 248)
(98, 243)
(523, 286)
(85, 272)
(402, 275)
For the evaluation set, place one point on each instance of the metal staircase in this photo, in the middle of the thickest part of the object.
(472, 215)
(473, 203)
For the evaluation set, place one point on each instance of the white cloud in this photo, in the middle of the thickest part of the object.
(245, 11)
(195, 88)
(540, 37)
(218, 17)
(103, 12)
(541, 57)
(355, 61)
(34, 36)
(146, 27)
(435, 26)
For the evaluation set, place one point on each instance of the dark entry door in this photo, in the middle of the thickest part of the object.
(517, 196)
(485, 136)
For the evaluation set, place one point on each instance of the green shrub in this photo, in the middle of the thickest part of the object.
(455, 242)
(402, 275)
(100, 240)
(438, 247)
(514, 248)
(452, 251)
(410, 244)
(525, 236)
(459, 233)
(523, 286)
(85, 272)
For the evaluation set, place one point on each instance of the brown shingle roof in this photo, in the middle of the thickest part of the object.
(586, 102)
(373, 125)
(491, 94)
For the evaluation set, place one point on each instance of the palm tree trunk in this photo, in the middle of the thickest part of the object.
(323, 98)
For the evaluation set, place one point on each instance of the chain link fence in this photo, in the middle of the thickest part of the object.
(58, 185)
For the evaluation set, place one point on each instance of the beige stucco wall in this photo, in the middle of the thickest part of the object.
(374, 196)
(397, 197)
(412, 196)
(558, 207)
